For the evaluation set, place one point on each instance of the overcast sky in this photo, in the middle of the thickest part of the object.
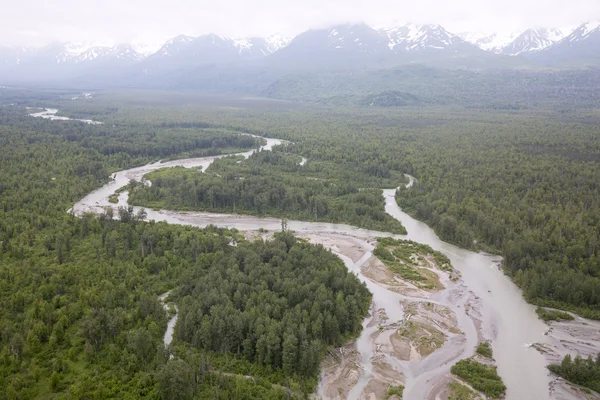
(38, 22)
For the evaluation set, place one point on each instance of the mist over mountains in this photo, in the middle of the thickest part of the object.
(204, 60)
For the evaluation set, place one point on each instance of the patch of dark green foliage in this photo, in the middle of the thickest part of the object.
(484, 349)
(395, 391)
(584, 372)
(553, 315)
(480, 376)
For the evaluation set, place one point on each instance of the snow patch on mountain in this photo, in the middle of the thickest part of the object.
(125, 52)
(533, 40)
(418, 37)
(146, 49)
(516, 42)
(346, 37)
(276, 42)
(79, 52)
(490, 41)
(75, 49)
(74, 52)
(93, 54)
(174, 46)
(583, 31)
(589, 27)
(243, 44)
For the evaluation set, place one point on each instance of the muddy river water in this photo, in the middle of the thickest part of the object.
(486, 304)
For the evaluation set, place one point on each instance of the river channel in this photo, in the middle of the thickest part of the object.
(496, 310)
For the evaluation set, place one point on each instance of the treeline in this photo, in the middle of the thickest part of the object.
(584, 372)
(271, 184)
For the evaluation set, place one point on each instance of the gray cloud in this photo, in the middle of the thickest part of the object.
(37, 22)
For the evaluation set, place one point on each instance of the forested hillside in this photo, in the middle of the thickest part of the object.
(275, 184)
(79, 313)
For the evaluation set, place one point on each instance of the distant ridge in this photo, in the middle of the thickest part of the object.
(343, 46)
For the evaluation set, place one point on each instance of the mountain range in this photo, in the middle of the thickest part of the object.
(344, 46)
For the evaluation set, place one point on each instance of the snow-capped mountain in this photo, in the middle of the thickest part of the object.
(91, 54)
(146, 49)
(207, 46)
(358, 45)
(410, 38)
(276, 42)
(354, 37)
(583, 32)
(70, 53)
(257, 46)
(344, 46)
(490, 41)
(182, 45)
(533, 40)
(126, 53)
(581, 47)
(340, 38)
(173, 46)
(208, 49)
(340, 46)
(184, 53)
(75, 51)
(516, 43)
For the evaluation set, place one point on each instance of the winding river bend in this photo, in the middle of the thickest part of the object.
(50, 113)
(502, 314)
